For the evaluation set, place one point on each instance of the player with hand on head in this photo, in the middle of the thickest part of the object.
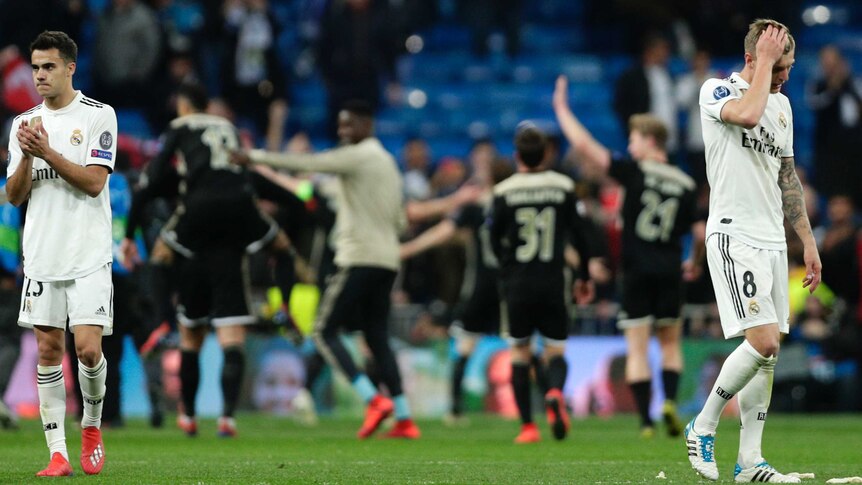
(61, 153)
(659, 209)
(532, 224)
(748, 133)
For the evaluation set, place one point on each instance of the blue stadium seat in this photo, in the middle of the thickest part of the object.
(546, 39)
(132, 122)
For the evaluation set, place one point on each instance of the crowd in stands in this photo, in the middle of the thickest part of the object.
(258, 56)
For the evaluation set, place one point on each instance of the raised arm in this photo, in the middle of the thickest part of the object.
(422, 210)
(343, 159)
(587, 147)
(747, 110)
(436, 235)
(793, 205)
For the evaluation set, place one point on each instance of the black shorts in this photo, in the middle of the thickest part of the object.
(529, 312)
(356, 298)
(480, 312)
(219, 222)
(651, 295)
(213, 288)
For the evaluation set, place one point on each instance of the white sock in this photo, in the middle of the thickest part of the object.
(93, 390)
(738, 369)
(52, 406)
(753, 402)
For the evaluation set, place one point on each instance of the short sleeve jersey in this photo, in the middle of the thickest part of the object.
(67, 233)
(534, 216)
(659, 209)
(742, 165)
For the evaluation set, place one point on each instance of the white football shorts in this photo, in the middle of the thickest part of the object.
(751, 285)
(85, 301)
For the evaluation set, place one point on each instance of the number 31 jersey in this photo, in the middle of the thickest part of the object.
(659, 208)
(533, 218)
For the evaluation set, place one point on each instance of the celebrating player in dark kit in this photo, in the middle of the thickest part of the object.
(533, 221)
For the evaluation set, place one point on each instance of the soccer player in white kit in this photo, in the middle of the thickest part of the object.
(748, 133)
(60, 155)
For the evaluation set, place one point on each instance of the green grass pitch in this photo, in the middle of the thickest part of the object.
(277, 450)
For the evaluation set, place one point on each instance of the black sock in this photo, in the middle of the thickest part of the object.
(521, 386)
(231, 378)
(284, 274)
(190, 378)
(540, 372)
(457, 381)
(670, 379)
(557, 370)
(641, 392)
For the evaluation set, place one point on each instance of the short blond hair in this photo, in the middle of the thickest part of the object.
(758, 27)
(650, 125)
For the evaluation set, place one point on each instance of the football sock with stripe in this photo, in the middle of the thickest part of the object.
(753, 402)
(231, 378)
(641, 391)
(521, 387)
(738, 369)
(190, 377)
(51, 386)
(92, 381)
(457, 382)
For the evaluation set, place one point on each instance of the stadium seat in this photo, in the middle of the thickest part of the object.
(133, 123)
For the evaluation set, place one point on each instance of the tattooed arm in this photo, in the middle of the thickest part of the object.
(793, 205)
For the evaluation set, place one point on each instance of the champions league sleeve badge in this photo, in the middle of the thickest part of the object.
(106, 140)
(720, 92)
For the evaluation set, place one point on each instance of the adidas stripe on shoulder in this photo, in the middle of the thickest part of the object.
(91, 102)
(29, 111)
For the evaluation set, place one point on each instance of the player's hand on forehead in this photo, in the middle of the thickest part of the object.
(770, 45)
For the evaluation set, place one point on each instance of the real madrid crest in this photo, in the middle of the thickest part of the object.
(782, 120)
(753, 307)
(77, 137)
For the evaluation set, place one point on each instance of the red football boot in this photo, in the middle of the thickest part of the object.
(58, 467)
(558, 417)
(379, 408)
(92, 450)
(529, 434)
(404, 428)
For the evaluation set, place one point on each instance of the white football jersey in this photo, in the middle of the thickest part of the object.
(742, 166)
(67, 233)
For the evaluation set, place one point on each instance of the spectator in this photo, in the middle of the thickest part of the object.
(356, 51)
(648, 88)
(417, 159)
(836, 99)
(838, 249)
(253, 80)
(19, 93)
(483, 15)
(127, 50)
(31, 17)
(687, 91)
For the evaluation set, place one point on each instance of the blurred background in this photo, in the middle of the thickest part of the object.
(450, 80)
